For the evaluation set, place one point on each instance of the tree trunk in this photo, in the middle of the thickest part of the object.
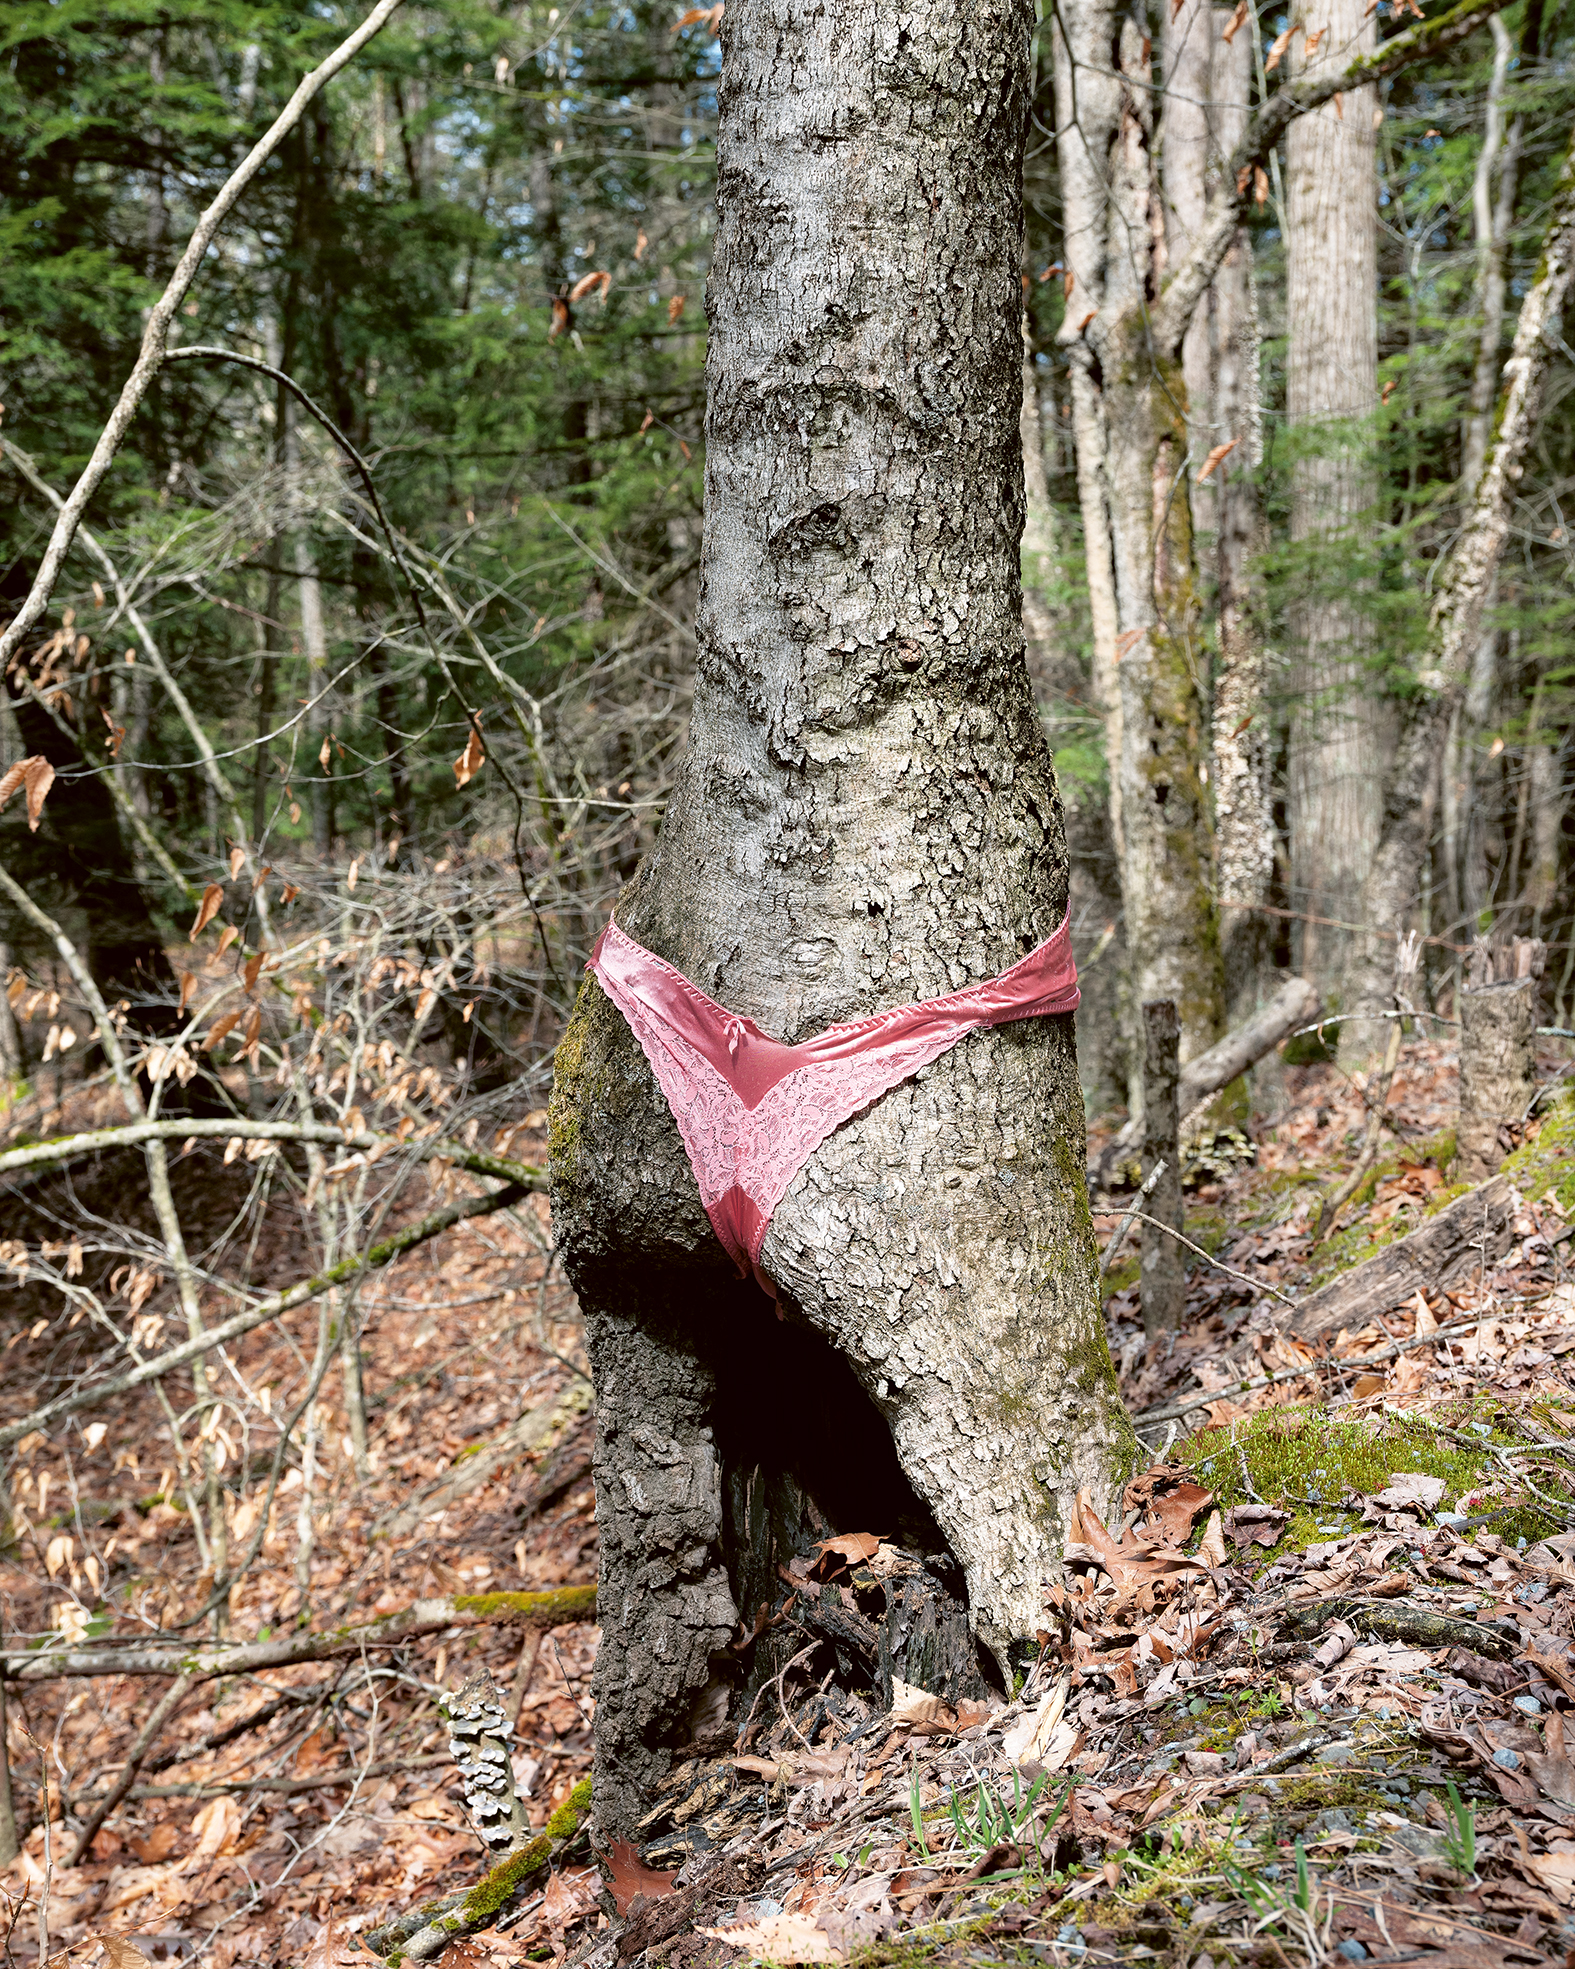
(1110, 199)
(867, 816)
(1393, 887)
(1339, 747)
(1162, 1274)
(1498, 1055)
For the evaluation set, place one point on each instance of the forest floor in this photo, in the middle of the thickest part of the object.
(1304, 1702)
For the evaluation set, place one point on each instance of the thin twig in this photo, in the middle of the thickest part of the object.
(1132, 1214)
(163, 1710)
(269, 1309)
(1257, 1284)
(154, 337)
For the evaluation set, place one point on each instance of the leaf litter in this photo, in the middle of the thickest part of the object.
(1304, 1698)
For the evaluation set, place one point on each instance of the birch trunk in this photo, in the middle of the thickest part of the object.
(1339, 743)
(867, 816)
(1392, 889)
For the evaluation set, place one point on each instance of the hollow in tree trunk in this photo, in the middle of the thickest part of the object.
(867, 816)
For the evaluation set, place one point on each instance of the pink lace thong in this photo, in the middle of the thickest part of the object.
(752, 1111)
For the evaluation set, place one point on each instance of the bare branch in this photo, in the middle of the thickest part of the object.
(268, 1309)
(1230, 198)
(70, 1148)
(155, 335)
(554, 1608)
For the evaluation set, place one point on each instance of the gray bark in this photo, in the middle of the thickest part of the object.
(1393, 886)
(1161, 1271)
(1113, 228)
(1498, 1052)
(867, 815)
(1339, 730)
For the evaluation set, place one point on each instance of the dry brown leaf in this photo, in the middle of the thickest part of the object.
(152, 1847)
(1234, 25)
(36, 775)
(629, 1876)
(1556, 1871)
(329, 1949)
(1282, 42)
(854, 1546)
(217, 1828)
(219, 1028)
(587, 281)
(212, 902)
(1217, 456)
(779, 1938)
(569, 1898)
(1212, 1545)
(471, 760)
(121, 1952)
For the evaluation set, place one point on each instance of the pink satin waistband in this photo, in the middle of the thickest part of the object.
(752, 1111)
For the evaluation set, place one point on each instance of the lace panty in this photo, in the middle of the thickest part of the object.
(753, 1111)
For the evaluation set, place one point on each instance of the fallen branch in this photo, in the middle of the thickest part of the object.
(555, 1608)
(1476, 1227)
(1256, 1284)
(286, 1787)
(1226, 1060)
(494, 1891)
(270, 1309)
(146, 1737)
(95, 1141)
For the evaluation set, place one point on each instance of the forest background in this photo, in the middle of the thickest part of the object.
(483, 253)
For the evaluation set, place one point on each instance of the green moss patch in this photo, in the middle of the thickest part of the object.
(1548, 1163)
(552, 1609)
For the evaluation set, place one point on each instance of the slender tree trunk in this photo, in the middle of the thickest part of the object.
(867, 816)
(1466, 582)
(1137, 418)
(1492, 217)
(1339, 730)
(1208, 89)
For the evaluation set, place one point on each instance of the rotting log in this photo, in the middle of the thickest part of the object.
(1475, 1230)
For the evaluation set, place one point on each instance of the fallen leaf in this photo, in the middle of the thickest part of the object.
(1028, 1739)
(121, 1952)
(329, 1950)
(1551, 1767)
(569, 1898)
(1282, 42)
(152, 1847)
(1556, 1871)
(780, 1938)
(854, 1546)
(217, 1828)
(1212, 1545)
(587, 281)
(1409, 1490)
(927, 1715)
(1255, 1524)
(630, 1876)
(1234, 25)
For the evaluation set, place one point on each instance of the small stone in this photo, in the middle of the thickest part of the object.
(1528, 1705)
(1337, 1753)
(1506, 1759)
(1352, 1950)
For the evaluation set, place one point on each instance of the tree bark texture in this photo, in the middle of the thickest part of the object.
(867, 816)
(1113, 226)
(1393, 886)
(1498, 1079)
(1339, 730)
(1162, 1274)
